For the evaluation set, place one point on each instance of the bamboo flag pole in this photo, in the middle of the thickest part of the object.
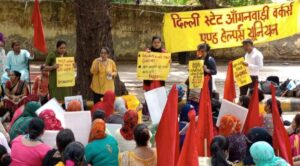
(205, 147)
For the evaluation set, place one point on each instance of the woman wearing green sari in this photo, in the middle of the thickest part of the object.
(57, 92)
(20, 126)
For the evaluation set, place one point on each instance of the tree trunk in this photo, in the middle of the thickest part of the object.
(209, 4)
(93, 31)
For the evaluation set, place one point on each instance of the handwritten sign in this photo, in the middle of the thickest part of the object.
(228, 27)
(65, 72)
(241, 72)
(196, 74)
(153, 66)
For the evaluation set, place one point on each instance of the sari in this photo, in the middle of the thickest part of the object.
(20, 126)
(18, 89)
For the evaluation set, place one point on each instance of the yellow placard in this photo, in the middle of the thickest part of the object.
(153, 66)
(241, 72)
(196, 74)
(65, 72)
(228, 27)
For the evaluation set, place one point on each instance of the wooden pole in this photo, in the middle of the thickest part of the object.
(205, 148)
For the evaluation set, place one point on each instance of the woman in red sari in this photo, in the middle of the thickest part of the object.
(15, 92)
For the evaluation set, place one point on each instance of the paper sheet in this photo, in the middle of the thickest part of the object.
(112, 128)
(156, 101)
(56, 107)
(229, 108)
(80, 123)
(49, 138)
(68, 99)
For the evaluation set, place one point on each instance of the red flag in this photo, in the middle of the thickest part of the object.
(189, 153)
(205, 122)
(167, 136)
(38, 36)
(254, 119)
(229, 88)
(281, 140)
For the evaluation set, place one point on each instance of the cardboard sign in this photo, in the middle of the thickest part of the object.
(153, 66)
(56, 107)
(241, 72)
(65, 72)
(49, 138)
(71, 98)
(229, 108)
(156, 101)
(80, 123)
(196, 74)
(112, 128)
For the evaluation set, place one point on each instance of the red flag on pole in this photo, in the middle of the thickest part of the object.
(189, 153)
(38, 36)
(254, 119)
(167, 136)
(229, 88)
(205, 122)
(281, 141)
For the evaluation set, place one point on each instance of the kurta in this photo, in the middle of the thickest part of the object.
(100, 83)
(55, 92)
(19, 63)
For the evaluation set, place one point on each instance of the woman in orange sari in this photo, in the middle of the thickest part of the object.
(15, 92)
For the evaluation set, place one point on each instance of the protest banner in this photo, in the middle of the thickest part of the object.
(229, 108)
(65, 72)
(81, 130)
(241, 72)
(68, 99)
(156, 101)
(153, 65)
(228, 27)
(57, 109)
(196, 74)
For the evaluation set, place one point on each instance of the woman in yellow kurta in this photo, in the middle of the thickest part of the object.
(104, 71)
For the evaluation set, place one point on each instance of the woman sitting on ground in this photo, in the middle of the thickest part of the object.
(219, 148)
(107, 105)
(120, 109)
(124, 135)
(230, 127)
(263, 155)
(73, 155)
(20, 126)
(63, 139)
(40, 86)
(102, 148)
(142, 154)
(268, 119)
(5, 158)
(29, 150)
(51, 122)
(294, 132)
(15, 92)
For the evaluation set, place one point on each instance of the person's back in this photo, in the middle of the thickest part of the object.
(27, 155)
(102, 152)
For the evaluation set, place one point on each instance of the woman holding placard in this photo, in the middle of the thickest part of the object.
(104, 71)
(57, 92)
(155, 47)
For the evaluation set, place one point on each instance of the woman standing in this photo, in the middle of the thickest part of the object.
(104, 71)
(102, 149)
(29, 150)
(142, 154)
(156, 47)
(57, 92)
(15, 92)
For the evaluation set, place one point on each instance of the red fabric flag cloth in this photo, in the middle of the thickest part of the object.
(254, 118)
(189, 153)
(38, 36)
(229, 87)
(205, 123)
(167, 136)
(281, 141)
